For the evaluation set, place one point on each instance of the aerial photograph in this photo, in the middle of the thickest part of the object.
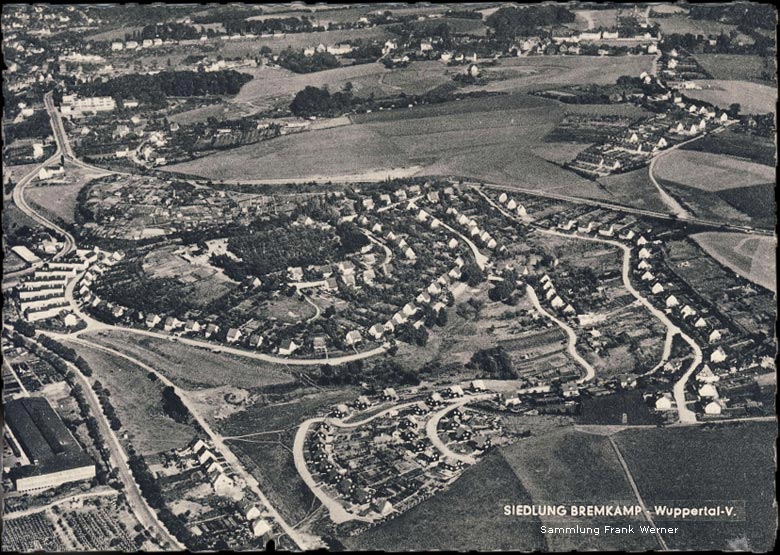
(481, 276)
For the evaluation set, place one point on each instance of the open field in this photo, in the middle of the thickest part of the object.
(695, 464)
(750, 256)
(567, 467)
(58, 200)
(682, 24)
(738, 67)
(487, 139)
(712, 206)
(193, 368)
(712, 172)
(593, 19)
(741, 145)
(635, 189)
(138, 402)
(467, 516)
(298, 41)
(533, 73)
(752, 97)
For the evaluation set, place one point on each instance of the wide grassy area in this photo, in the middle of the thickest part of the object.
(191, 367)
(751, 256)
(695, 465)
(567, 467)
(635, 189)
(740, 67)
(712, 172)
(138, 402)
(488, 139)
(753, 98)
(682, 24)
(742, 145)
(469, 515)
(58, 200)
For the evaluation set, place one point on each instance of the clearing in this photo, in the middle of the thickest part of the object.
(750, 256)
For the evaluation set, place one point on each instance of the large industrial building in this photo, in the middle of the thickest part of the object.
(53, 456)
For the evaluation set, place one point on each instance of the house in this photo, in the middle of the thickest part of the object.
(644, 254)
(423, 298)
(647, 276)
(320, 345)
(353, 337)
(708, 391)
(664, 402)
(288, 347)
(383, 507)
(346, 267)
(409, 309)
(453, 243)
(714, 407)
(389, 394)
(627, 381)
(715, 336)
(478, 385)
(557, 302)
(409, 254)
(432, 196)
(260, 528)
(455, 391)
(369, 276)
(719, 355)
(657, 288)
(233, 335)
(192, 326)
(152, 320)
(672, 301)
(363, 402)
(295, 273)
(700, 323)
(211, 329)
(706, 375)
(255, 340)
(570, 389)
(688, 311)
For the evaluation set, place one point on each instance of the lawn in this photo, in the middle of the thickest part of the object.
(138, 402)
(468, 516)
(194, 368)
(635, 189)
(568, 467)
(741, 145)
(750, 256)
(753, 98)
(732, 462)
(712, 172)
(682, 24)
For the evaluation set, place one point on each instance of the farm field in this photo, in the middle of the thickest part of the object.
(298, 41)
(568, 467)
(750, 256)
(58, 200)
(712, 172)
(752, 97)
(469, 515)
(712, 206)
(743, 470)
(593, 19)
(138, 402)
(193, 368)
(737, 67)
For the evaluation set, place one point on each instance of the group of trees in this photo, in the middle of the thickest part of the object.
(313, 101)
(511, 22)
(174, 407)
(155, 88)
(383, 373)
(493, 363)
(297, 62)
(108, 409)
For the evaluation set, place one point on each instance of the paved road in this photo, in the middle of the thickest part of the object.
(215, 438)
(119, 461)
(571, 345)
(432, 427)
(685, 415)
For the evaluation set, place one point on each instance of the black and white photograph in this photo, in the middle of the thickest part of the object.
(424, 276)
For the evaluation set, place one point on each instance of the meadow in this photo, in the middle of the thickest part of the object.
(736, 67)
(58, 200)
(753, 98)
(138, 402)
(193, 368)
(489, 139)
(750, 256)
(712, 172)
(733, 462)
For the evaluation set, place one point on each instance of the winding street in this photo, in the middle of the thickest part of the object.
(432, 427)
(685, 414)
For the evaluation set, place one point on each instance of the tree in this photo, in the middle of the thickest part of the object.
(734, 109)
